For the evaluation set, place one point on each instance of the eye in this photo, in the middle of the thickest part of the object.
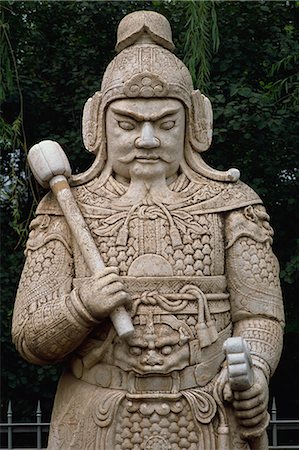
(136, 351)
(126, 125)
(167, 125)
(166, 350)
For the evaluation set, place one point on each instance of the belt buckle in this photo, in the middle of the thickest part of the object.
(154, 386)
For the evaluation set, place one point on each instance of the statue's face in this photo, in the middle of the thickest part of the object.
(145, 137)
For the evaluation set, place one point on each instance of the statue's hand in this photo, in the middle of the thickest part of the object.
(251, 405)
(103, 292)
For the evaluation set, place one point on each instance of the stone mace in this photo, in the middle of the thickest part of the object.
(51, 168)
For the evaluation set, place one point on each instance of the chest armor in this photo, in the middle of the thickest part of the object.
(172, 263)
(185, 244)
(173, 267)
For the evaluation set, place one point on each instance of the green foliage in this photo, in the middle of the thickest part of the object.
(6, 79)
(53, 57)
(201, 37)
(291, 269)
(286, 89)
(12, 141)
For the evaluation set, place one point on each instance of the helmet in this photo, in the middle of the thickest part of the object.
(146, 68)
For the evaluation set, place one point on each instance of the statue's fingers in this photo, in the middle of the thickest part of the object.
(248, 394)
(247, 404)
(106, 280)
(253, 421)
(251, 414)
(106, 271)
(120, 298)
(114, 287)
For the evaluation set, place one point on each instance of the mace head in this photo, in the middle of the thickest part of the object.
(46, 160)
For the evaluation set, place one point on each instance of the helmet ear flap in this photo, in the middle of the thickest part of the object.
(201, 122)
(92, 123)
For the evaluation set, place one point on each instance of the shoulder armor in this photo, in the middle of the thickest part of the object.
(238, 195)
(49, 205)
(210, 196)
(45, 228)
(251, 221)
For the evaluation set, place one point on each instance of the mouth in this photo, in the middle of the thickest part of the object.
(147, 158)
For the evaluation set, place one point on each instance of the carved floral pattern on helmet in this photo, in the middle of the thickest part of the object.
(143, 60)
(145, 85)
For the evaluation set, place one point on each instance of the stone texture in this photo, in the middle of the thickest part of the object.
(186, 249)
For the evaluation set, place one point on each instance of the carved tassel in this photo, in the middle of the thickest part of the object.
(123, 235)
(174, 232)
(203, 335)
(212, 331)
(175, 237)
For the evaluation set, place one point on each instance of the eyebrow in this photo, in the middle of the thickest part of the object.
(141, 117)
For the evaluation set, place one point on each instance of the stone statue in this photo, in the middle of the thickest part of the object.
(187, 251)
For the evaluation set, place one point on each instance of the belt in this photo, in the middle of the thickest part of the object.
(113, 377)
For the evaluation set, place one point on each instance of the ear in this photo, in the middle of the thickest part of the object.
(92, 123)
(201, 122)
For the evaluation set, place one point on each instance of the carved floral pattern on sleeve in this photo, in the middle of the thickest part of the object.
(48, 321)
(253, 283)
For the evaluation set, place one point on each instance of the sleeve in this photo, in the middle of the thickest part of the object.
(49, 319)
(253, 282)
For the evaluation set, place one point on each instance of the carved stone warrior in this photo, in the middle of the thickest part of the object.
(187, 251)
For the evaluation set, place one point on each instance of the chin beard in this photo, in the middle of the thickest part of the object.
(149, 173)
(149, 183)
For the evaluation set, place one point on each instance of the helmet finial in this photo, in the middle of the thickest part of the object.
(149, 25)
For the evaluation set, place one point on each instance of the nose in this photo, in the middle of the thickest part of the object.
(147, 138)
(152, 358)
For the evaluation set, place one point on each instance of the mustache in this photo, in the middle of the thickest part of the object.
(137, 155)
